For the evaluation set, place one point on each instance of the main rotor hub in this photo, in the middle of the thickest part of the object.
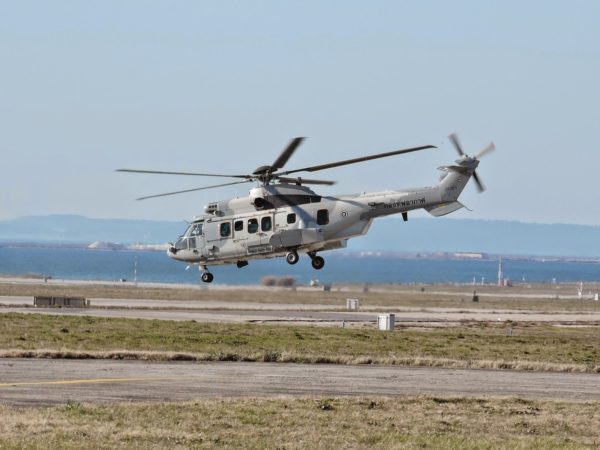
(262, 170)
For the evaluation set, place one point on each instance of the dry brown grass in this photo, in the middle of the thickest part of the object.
(529, 347)
(404, 422)
(303, 358)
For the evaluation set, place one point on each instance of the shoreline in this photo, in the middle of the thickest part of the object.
(37, 279)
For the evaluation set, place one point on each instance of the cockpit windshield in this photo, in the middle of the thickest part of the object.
(188, 238)
(193, 230)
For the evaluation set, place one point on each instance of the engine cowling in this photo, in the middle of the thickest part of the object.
(259, 203)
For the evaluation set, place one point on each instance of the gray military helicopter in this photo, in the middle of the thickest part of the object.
(283, 217)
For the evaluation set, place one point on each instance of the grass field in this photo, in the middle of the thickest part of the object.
(531, 346)
(283, 423)
(443, 296)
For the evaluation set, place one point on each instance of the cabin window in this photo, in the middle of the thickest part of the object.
(265, 223)
(291, 218)
(225, 229)
(322, 217)
(252, 225)
(238, 225)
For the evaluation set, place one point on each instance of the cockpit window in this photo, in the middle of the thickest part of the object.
(193, 230)
(181, 244)
(196, 230)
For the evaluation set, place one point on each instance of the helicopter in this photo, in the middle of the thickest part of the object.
(283, 217)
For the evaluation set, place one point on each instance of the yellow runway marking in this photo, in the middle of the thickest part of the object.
(88, 381)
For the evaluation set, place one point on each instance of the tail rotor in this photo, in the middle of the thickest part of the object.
(488, 149)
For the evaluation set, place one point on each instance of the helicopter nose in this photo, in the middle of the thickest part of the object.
(171, 251)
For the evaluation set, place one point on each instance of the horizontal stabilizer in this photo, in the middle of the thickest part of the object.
(445, 208)
(459, 169)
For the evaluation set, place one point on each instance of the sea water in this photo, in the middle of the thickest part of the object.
(340, 267)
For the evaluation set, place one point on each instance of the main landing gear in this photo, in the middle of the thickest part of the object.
(317, 262)
(206, 276)
(292, 257)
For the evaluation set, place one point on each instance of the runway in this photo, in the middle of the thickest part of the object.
(46, 381)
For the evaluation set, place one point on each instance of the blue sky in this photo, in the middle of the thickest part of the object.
(88, 87)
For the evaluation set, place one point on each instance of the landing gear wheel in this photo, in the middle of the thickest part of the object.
(318, 263)
(207, 277)
(292, 257)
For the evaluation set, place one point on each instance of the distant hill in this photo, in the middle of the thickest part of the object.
(487, 236)
(391, 235)
(79, 229)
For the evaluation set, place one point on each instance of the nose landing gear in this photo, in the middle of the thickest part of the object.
(207, 277)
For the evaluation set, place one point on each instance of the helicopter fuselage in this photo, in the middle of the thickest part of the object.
(277, 219)
(283, 217)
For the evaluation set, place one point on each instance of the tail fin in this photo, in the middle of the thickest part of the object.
(456, 178)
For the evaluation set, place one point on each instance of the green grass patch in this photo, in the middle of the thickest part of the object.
(406, 422)
(576, 348)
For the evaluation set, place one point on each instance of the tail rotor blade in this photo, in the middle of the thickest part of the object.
(478, 182)
(490, 148)
(454, 139)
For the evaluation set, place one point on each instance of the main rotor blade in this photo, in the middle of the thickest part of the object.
(454, 138)
(287, 153)
(478, 182)
(192, 190)
(160, 172)
(357, 160)
(490, 148)
(301, 180)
